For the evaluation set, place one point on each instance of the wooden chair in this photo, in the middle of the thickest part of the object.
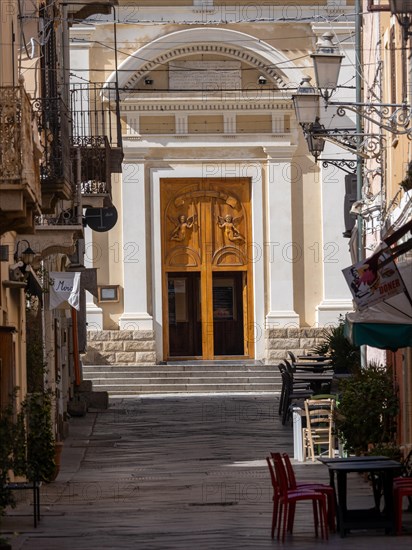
(289, 497)
(319, 427)
(326, 490)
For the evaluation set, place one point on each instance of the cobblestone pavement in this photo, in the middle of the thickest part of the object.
(177, 473)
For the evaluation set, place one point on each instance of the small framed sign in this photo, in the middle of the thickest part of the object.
(108, 293)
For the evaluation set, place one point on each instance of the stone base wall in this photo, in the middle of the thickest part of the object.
(296, 340)
(120, 347)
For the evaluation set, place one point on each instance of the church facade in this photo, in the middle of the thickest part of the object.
(229, 241)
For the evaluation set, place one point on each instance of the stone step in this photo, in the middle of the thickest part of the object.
(199, 377)
(136, 389)
(184, 380)
(180, 368)
(93, 375)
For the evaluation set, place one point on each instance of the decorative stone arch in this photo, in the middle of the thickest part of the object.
(226, 42)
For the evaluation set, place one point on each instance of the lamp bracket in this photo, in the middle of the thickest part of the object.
(367, 146)
(392, 117)
(347, 165)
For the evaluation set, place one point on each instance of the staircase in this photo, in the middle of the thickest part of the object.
(185, 378)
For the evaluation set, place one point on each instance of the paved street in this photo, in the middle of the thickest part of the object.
(176, 473)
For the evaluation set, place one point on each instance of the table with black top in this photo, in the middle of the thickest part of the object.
(382, 470)
(315, 379)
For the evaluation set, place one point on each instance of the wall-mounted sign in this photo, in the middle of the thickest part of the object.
(370, 283)
(101, 219)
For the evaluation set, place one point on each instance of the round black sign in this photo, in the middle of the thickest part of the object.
(101, 219)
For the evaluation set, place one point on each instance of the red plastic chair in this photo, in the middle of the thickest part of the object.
(326, 490)
(402, 487)
(275, 496)
(289, 497)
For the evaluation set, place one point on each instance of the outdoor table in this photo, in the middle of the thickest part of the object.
(315, 366)
(315, 379)
(383, 471)
(313, 357)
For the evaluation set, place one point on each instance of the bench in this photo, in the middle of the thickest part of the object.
(26, 485)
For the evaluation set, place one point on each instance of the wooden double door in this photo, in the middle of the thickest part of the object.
(207, 274)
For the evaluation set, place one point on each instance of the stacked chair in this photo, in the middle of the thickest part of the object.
(287, 493)
(292, 392)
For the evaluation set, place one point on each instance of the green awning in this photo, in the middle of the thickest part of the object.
(379, 335)
(384, 325)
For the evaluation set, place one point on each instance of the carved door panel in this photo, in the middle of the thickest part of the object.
(206, 230)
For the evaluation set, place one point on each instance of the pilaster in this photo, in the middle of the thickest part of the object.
(134, 219)
(281, 313)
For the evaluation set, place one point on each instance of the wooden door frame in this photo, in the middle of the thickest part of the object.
(206, 270)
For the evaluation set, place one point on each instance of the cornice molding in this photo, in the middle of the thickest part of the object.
(189, 105)
(231, 51)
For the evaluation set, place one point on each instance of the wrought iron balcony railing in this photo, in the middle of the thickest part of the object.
(20, 192)
(55, 167)
(18, 136)
(96, 138)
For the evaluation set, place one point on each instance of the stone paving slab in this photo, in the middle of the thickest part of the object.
(177, 473)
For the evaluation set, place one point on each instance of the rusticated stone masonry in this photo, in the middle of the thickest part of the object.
(296, 340)
(120, 347)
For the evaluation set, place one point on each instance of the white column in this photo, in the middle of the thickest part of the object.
(279, 245)
(135, 315)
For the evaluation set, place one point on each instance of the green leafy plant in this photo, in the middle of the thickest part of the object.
(40, 436)
(367, 409)
(406, 183)
(12, 452)
(344, 356)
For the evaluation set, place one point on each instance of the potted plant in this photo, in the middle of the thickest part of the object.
(41, 445)
(12, 456)
(344, 356)
(366, 411)
(40, 436)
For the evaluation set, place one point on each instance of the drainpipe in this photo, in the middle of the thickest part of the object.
(359, 129)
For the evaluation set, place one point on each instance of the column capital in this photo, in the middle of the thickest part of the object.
(342, 28)
(279, 153)
(135, 154)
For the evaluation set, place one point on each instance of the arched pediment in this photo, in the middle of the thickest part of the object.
(225, 42)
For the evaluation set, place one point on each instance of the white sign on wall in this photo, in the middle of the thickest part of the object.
(200, 75)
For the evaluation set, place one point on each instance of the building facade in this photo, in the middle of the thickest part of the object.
(230, 238)
(41, 227)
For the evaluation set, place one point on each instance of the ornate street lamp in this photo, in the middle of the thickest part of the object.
(316, 144)
(27, 256)
(327, 61)
(402, 9)
(306, 102)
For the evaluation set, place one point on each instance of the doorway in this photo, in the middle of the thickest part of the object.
(185, 329)
(207, 278)
(228, 314)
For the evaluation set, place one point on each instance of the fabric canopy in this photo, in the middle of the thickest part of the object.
(386, 325)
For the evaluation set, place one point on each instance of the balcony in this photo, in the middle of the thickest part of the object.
(96, 145)
(55, 168)
(57, 233)
(20, 151)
